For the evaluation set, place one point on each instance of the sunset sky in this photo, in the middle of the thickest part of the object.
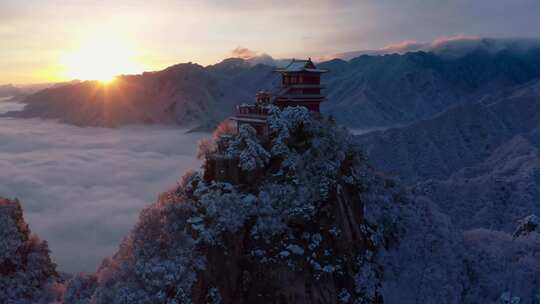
(46, 41)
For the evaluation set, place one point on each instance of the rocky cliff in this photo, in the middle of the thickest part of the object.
(27, 274)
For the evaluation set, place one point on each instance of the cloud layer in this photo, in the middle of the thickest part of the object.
(83, 188)
(450, 46)
(253, 57)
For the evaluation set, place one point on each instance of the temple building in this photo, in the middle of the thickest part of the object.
(300, 86)
(255, 114)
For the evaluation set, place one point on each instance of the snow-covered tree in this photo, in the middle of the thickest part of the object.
(247, 147)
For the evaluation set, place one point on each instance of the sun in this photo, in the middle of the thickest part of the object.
(106, 79)
(102, 59)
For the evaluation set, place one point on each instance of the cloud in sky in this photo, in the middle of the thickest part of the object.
(244, 53)
(83, 188)
(253, 57)
(448, 46)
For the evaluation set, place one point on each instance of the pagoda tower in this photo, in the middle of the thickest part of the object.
(300, 85)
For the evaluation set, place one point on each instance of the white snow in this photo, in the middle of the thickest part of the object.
(295, 249)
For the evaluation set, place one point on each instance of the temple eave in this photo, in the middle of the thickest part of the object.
(300, 98)
(249, 119)
(303, 86)
(285, 71)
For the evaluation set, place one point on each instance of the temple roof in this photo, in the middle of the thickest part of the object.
(248, 119)
(297, 65)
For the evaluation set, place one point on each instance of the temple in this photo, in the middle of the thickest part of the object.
(300, 85)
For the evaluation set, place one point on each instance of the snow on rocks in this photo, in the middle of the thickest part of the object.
(248, 149)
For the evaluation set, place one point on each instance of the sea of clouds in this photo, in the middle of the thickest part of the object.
(83, 188)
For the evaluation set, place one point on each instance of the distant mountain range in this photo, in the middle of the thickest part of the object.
(19, 92)
(365, 92)
(9, 90)
(375, 91)
(185, 94)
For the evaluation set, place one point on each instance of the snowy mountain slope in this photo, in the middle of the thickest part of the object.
(428, 263)
(502, 268)
(437, 147)
(374, 91)
(495, 193)
(186, 94)
(462, 136)
(386, 90)
(479, 161)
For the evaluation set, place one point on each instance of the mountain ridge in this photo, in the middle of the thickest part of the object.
(365, 92)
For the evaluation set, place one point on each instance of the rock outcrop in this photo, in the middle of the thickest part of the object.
(27, 274)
